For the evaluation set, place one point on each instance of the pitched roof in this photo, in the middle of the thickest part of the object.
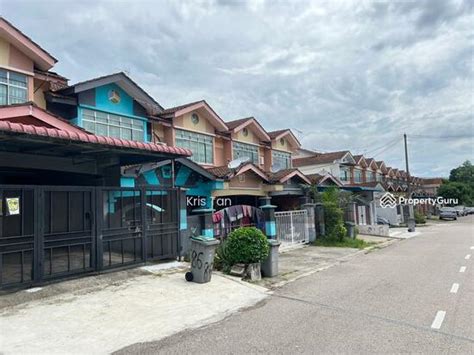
(322, 158)
(226, 173)
(180, 107)
(124, 81)
(285, 132)
(431, 181)
(244, 122)
(189, 107)
(29, 113)
(83, 137)
(318, 179)
(286, 174)
(220, 171)
(236, 123)
(25, 44)
(371, 161)
(274, 134)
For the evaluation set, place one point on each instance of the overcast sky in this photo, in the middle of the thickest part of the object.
(341, 74)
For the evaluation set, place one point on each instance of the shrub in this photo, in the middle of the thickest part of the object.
(245, 245)
(221, 259)
(419, 218)
(334, 222)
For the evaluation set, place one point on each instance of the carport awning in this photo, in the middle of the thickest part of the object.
(22, 138)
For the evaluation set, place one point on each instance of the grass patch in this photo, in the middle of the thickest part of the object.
(345, 243)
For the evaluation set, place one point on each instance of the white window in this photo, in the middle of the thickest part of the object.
(109, 125)
(357, 176)
(344, 174)
(242, 150)
(13, 87)
(201, 145)
(281, 159)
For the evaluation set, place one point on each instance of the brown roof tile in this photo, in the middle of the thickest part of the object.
(180, 107)
(319, 158)
(236, 123)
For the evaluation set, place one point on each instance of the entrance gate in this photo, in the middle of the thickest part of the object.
(291, 228)
(54, 232)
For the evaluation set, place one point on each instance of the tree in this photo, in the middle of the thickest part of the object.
(460, 184)
(463, 174)
(456, 190)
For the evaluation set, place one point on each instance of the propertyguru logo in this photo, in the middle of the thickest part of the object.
(389, 200)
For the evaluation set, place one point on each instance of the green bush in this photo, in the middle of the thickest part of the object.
(221, 259)
(245, 245)
(334, 222)
(419, 218)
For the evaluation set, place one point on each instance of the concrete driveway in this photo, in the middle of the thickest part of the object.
(100, 320)
(415, 296)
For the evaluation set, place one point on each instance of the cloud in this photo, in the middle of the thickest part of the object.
(346, 74)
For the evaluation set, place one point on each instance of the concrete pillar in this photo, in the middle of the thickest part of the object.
(351, 211)
(411, 219)
(269, 211)
(207, 227)
(319, 214)
(311, 221)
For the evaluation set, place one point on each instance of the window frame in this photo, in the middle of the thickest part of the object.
(282, 155)
(200, 141)
(9, 85)
(254, 151)
(109, 120)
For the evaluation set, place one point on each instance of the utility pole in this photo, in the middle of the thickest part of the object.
(409, 217)
(406, 163)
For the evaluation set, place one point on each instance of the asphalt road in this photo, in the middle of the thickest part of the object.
(387, 301)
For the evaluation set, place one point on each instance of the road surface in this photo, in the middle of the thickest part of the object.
(413, 296)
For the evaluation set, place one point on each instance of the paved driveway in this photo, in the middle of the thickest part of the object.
(398, 299)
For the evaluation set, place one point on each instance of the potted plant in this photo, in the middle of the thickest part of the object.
(248, 246)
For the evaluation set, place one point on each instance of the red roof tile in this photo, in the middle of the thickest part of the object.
(90, 138)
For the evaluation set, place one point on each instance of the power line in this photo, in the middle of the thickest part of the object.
(422, 136)
(386, 148)
(373, 151)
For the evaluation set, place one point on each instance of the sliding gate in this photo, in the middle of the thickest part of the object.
(54, 232)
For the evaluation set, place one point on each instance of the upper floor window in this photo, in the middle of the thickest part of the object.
(201, 145)
(13, 87)
(281, 159)
(379, 177)
(357, 176)
(344, 174)
(242, 150)
(106, 124)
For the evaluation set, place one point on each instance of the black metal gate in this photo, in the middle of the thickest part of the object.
(54, 232)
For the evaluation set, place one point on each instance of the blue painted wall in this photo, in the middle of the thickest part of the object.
(123, 108)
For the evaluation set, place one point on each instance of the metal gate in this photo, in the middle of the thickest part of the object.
(291, 228)
(54, 232)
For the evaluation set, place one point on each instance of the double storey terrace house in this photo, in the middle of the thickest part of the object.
(356, 173)
(339, 164)
(63, 211)
(381, 171)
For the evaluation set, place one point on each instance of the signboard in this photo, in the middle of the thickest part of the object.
(12, 206)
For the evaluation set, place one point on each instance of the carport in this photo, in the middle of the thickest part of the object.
(62, 209)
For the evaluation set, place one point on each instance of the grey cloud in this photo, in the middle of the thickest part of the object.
(348, 75)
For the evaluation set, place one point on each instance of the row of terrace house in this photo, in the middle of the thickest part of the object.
(367, 178)
(98, 174)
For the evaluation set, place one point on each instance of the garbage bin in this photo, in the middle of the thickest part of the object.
(202, 259)
(270, 264)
